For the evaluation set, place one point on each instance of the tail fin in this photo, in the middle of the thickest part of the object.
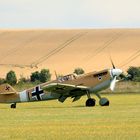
(7, 89)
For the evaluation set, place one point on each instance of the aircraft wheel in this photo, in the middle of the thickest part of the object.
(13, 105)
(104, 102)
(90, 102)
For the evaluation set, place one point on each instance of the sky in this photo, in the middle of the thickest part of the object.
(69, 14)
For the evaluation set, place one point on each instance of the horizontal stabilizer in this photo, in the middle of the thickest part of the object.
(7, 89)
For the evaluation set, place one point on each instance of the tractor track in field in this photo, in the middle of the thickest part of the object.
(102, 47)
(43, 58)
(58, 49)
(130, 58)
(16, 48)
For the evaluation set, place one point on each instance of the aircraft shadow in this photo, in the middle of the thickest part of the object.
(53, 107)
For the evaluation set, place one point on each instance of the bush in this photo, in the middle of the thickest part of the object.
(35, 76)
(79, 71)
(137, 79)
(23, 80)
(45, 75)
(134, 73)
(2, 81)
(42, 76)
(11, 78)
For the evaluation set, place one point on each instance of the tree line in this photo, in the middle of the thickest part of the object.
(36, 77)
(133, 74)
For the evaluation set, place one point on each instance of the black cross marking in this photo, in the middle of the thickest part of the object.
(7, 88)
(37, 93)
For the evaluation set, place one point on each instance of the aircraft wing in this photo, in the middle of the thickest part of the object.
(66, 90)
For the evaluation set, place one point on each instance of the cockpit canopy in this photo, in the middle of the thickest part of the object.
(67, 77)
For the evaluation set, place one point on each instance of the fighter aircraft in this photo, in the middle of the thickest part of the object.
(71, 85)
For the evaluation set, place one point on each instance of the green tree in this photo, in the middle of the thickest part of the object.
(42, 76)
(79, 71)
(45, 75)
(11, 78)
(134, 73)
(35, 76)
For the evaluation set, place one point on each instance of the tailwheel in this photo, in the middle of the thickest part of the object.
(104, 102)
(90, 102)
(13, 105)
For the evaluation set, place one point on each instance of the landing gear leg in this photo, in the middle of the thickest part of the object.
(103, 101)
(13, 105)
(90, 101)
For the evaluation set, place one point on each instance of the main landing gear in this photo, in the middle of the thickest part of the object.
(13, 105)
(91, 101)
(104, 102)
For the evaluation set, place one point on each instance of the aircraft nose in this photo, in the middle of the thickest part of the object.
(116, 72)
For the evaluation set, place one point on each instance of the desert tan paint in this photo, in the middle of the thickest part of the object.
(87, 80)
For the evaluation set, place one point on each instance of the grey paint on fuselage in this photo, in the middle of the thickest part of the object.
(101, 86)
(24, 97)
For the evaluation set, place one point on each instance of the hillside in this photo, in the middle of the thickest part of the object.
(64, 50)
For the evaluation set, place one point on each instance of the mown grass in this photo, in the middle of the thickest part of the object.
(51, 120)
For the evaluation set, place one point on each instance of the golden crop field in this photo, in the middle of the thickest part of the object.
(51, 120)
(25, 51)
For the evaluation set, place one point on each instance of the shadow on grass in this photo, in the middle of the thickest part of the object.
(53, 107)
(47, 107)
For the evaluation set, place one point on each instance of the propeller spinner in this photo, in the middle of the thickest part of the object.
(114, 73)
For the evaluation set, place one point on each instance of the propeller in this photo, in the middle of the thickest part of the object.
(122, 76)
(115, 73)
(113, 83)
(112, 63)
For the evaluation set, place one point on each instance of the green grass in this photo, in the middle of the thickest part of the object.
(52, 120)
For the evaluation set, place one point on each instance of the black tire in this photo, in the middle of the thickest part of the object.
(90, 102)
(104, 102)
(13, 105)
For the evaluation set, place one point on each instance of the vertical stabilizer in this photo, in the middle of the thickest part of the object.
(7, 89)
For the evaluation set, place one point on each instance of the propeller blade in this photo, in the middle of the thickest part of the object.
(113, 83)
(112, 63)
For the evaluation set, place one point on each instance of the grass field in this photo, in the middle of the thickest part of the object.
(53, 120)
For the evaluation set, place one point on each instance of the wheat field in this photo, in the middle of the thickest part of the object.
(65, 50)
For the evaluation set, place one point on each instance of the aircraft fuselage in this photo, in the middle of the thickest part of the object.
(96, 81)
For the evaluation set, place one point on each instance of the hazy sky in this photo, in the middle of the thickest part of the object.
(69, 13)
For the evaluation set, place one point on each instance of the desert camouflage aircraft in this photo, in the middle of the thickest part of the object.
(71, 85)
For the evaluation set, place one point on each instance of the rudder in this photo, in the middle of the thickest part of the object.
(7, 89)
